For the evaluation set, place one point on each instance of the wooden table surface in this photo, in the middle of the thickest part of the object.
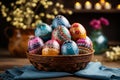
(7, 62)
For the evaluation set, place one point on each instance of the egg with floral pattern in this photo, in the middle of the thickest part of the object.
(44, 31)
(35, 45)
(61, 34)
(60, 20)
(51, 48)
(77, 31)
(69, 47)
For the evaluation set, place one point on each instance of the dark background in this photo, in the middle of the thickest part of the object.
(84, 17)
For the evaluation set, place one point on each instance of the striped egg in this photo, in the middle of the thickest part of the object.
(35, 45)
(61, 34)
(84, 44)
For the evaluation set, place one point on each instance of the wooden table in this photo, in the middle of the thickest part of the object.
(7, 62)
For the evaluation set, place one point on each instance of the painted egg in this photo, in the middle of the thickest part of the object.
(84, 44)
(61, 34)
(60, 20)
(50, 52)
(35, 45)
(43, 31)
(69, 47)
(51, 48)
(77, 31)
(52, 44)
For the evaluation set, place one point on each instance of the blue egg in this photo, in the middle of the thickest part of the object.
(69, 47)
(43, 31)
(60, 20)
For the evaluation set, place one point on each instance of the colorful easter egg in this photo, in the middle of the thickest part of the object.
(50, 52)
(51, 48)
(35, 45)
(43, 31)
(77, 31)
(61, 34)
(60, 20)
(52, 44)
(69, 47)
(84, 44)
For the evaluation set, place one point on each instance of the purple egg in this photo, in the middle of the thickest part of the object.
(35, 45)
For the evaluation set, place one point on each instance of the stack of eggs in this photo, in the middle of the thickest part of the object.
(60, 38)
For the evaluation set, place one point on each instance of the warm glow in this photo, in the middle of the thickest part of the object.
(107, 5)
(98, 6)
(118, 6)
(77, 5)
(88, 5)
(102, 1)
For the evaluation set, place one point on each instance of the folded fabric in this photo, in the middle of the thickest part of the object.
(94, 70)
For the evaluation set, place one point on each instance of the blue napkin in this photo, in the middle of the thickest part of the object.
(94, 70)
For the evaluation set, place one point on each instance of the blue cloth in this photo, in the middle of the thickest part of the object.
(94, 70)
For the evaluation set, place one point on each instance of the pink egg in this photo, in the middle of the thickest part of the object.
(35, 45)
(52, 44)
(84, 43)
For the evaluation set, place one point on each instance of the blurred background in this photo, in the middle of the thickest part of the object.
(19, 17)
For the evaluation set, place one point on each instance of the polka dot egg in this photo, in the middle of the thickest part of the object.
(77, 31)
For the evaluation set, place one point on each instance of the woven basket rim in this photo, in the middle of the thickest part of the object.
(70, 63)
(89, 53)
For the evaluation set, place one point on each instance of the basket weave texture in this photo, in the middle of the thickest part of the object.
(67, 63)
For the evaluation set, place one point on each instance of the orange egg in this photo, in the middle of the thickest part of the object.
(50, 52)
(77, 31)
(51, 48)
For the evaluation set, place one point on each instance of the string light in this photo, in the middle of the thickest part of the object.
(27, 13)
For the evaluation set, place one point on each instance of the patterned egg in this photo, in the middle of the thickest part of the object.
(61, 34)
(77, 31)
(69, 47)
(51, 47)
(84, 44)
(35, 45)
(60, 20)
(43, 31)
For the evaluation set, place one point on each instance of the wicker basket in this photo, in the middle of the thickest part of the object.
(67, 63)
